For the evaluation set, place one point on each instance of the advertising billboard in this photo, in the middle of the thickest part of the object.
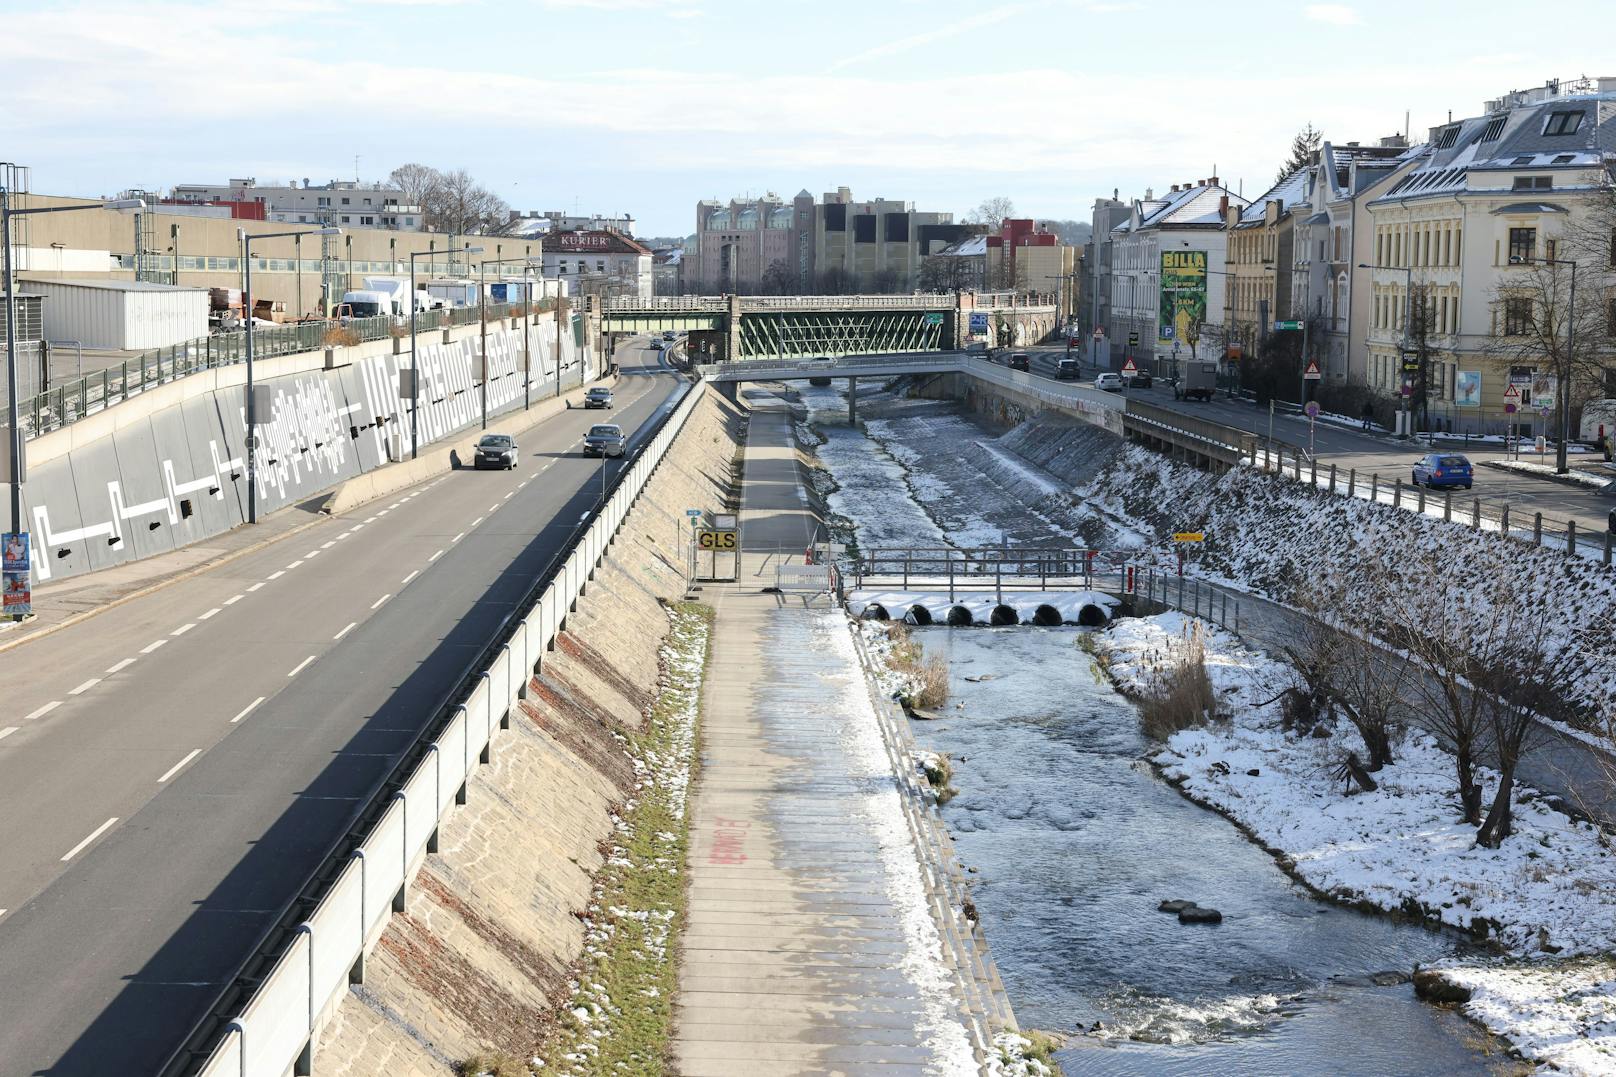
(1467, 388)
(15, 576)
(1183, 295)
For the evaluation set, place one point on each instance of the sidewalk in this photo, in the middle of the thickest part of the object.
(811, 942)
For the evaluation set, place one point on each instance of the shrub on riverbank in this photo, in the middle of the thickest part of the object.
(1179, 696)
(908, 675)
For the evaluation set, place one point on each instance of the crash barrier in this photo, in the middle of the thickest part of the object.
(268, 1021)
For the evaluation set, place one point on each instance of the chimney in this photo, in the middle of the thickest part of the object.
(1173, 189)
(1223, 206)
(1213, 181)
(1150, 194)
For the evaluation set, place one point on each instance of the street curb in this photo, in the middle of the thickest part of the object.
(1587, 488)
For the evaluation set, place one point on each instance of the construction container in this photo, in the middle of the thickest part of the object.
(121, 315)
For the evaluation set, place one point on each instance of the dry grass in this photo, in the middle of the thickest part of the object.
(1181, 696)
(933, 676)
(928, 675)
(339, 337)
(486, 1064)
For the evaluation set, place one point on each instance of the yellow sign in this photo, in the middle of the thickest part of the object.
(716, 540)
(1189, 536)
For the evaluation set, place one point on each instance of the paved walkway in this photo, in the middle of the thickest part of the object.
(811, 944)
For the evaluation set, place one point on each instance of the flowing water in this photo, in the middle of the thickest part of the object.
(1076, 841)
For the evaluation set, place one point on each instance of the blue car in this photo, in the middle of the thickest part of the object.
(1443, 469)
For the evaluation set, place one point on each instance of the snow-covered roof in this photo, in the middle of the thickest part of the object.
(1287, 193)
(970, 247)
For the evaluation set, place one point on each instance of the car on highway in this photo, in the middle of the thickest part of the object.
(820, 383)
(496, 450)
(669, 334)
(1067, 369)
(598, 397)
(1019, 361)
(1443, 469)
(1109, 381)
(656, 344)
(605, 439)
(1140, 379)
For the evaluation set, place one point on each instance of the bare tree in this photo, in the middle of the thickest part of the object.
(463, 206)
(947, 273)
(779, 279)
(418, 182)
(834, 280)
(992, 213)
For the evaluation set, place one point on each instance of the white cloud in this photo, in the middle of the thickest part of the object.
(1334, 14)
(904, 44)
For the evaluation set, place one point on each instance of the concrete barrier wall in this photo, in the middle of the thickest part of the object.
(281, 1024)
(168, 468)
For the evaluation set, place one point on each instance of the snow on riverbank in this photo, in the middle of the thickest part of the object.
(1550, 889)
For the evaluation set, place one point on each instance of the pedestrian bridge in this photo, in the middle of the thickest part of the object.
(807, 326)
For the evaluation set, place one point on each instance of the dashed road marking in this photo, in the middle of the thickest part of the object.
(85, 687)
(301, 666)
(410, 577)
(380, 600)
(152, 646)
(328, 545)
(255, 586)
(495, 506)
(125, 664)
(458, 537)
(184, 628)
(477, 521)
(311, 555)
(175, 769)
(293, 565)
(42, 711)
(4, 733)
(210, 613)
(434, 557)
(508, 496)
(246, 710)
(345, 631)
(277, 574)
(233, 599)
(96, 833)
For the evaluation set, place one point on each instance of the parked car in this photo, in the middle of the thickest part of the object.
(496, 450)
(1443, 469)
(605, 439)
(1067, 369)
(1019, 361)
(598, 397)
(1140, 380)
(1110, 382)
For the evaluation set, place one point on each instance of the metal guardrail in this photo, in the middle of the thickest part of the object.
(73, 400)
(1004, 567)
(268, 1019)
(719, 304)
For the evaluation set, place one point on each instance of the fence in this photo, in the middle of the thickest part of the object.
(71, 401)
(300, 973)
(1006, 568)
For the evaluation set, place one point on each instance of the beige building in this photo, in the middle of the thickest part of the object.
(1259, 260)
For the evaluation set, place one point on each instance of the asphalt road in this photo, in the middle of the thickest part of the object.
(1378, 453)
(175, 767)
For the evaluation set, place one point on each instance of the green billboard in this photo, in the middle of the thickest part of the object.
(1183, 295)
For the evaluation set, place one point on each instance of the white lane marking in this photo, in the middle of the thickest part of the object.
(328, 545)
(184, 628)
(246, 710)
(175, 769)
(293, 565)
(125, 664)
(410, 577)
(255, 586)
(41, 712)
(434, 557)
(373, 519)
(150, 647)
(311, 555)
(382, 599)
(508, 496)
(277, 574)
(345, 631)
(458, 537)
(85, 687)
(301, 666)
(96, 833)
(4, 733)
(495, 506)
(208, 614)
(342, 536)
(233, 599)
(477, 521)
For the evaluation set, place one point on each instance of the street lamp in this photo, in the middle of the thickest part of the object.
(415, 386)
(482, 299)
(123, 205)
(1402, 354)
(247, 304)
(1562, 376)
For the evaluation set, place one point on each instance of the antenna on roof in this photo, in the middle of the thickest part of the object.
(1407, 130)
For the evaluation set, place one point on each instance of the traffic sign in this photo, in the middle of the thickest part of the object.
(1510, 407)
(1512, 394)
(1312, 371)
(1545, 411)
(933, 318)
(1133, 339)
(692, 512)
(1099, 332)
(716, 540)
(1189, 536)
(1279, 326)
(1129, 367)
(1311, 409)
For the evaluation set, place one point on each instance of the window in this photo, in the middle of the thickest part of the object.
(345, 218)
(895, 227)
(345, 201)
(864, 228)
(1446, 137)
(1549, 249)
(367, 201)
(1495, 127)
(367, 220)
(1522, 244)
(1517, 316)
(1534, 183)
(836, 217)
(1563, 123)
(322, 201)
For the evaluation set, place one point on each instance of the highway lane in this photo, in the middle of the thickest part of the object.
(1376, 453)
(154, 821)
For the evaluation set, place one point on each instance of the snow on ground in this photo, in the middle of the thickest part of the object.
(1551, 888)
(1545, 470)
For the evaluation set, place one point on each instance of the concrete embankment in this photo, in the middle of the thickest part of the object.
(482, 955)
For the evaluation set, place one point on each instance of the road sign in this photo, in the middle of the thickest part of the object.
(1312, 371)
(1545, 411)
(1281, 326)
(1312, 409)
(716, 540)
(1510, 407)
(1133, 339)
(1099, 332)
(692, 512)
(1512, 394)
(934, 319)
(1129, 367)
(1189, 536)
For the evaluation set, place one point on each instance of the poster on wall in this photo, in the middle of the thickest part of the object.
(1543, 389)
(1183, 295)
(15, 577)
(1467, 388)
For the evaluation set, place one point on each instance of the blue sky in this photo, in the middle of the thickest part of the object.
(646, 106)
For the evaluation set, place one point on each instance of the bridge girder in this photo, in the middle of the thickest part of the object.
(808, 334)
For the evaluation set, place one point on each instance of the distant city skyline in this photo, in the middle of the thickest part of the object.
(604, 106)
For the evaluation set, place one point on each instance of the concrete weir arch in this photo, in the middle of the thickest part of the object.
(960, 617)
(918, 615)
(1047, 616)
(1003, 615)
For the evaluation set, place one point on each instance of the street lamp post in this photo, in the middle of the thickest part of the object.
(415, 376)
(247, 304)
(14, 414)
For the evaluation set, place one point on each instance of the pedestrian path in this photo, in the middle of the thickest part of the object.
(812, 942)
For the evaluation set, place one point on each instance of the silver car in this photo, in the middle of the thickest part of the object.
(605, 439)
(496, 450)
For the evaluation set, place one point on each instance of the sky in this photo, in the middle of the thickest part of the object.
(646, 106)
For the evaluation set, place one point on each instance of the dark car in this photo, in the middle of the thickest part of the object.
(496, 450)
(598, 397)
(1140, 379)
(1019, 361)
(1443, 469)
(605, 439)
(1069, 368)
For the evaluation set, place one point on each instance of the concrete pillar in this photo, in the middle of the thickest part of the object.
(732, 329)
(852, 401)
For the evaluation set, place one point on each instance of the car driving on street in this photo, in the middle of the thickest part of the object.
(1067, 369)
(598, 397)
(605, 439)
(1443, 469)
(1019, 361)
(1109, 381)
(496, 450)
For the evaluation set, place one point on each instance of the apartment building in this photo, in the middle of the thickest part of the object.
(339, 202)
(599, 263)
(1094, 301)
(1260, 257)
(1463, 224)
